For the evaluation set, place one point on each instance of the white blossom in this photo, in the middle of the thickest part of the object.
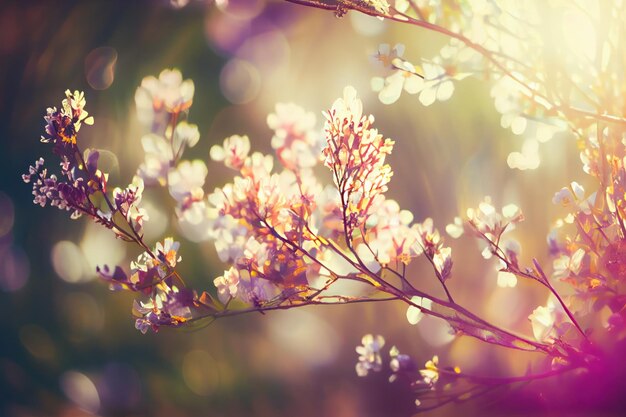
(187, 179)
(369, 354)
(413, 313)
(233, 152)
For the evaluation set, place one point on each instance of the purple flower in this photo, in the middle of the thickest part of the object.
(78, 179)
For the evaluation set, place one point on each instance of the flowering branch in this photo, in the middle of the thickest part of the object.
(288, 237)
(363, 6)
(282, 248)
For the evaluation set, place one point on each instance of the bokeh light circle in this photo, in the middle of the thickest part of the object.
(14, 268)
(240, 81)
(100, 67)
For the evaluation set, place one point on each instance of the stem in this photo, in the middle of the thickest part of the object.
(500, 254)
(439, 277)
(507, 380)
(416, 9)
(138, 239)
(398, 294)
(459, 398)
(262, 309)
(567, 311)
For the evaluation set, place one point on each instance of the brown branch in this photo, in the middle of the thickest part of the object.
(262, 309)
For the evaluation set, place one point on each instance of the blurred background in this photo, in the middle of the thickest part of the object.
(68, 346)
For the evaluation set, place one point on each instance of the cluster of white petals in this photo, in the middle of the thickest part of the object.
(491, 223)
(369, 354)
(390, 235)
(158, 97)
(404, 75)
(162, 105)
(414, 314)
(296, 142)
(548, 322)
(233, 152)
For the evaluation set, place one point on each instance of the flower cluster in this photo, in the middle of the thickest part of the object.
(432, 82)
(287, 236)
(82, 186)
(80, 177)
(355, 154)
(426, 381)
(162, 104)
(496, 41)
(279, 230)
(493, 228)
(369, 354)
(587, 242)
(160, 99)
(403, 76)
(153, 274)
(296, 142)
(431, 243)
(261, 213)
(492, 40)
